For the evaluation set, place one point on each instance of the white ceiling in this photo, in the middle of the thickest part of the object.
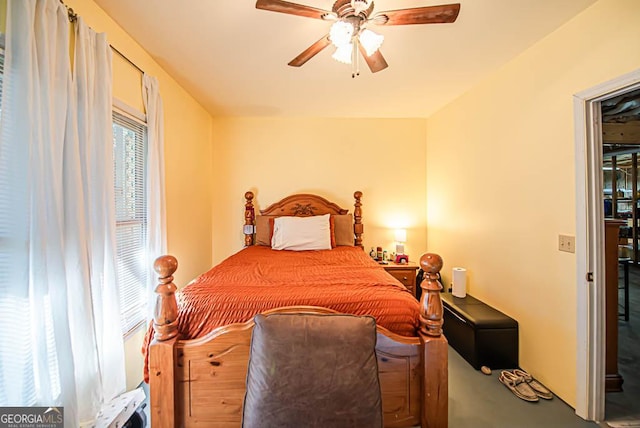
(233, 58)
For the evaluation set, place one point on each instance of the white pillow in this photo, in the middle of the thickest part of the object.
(301, 233)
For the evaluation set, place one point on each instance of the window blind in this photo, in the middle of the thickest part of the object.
(129, 141)
(13, 310)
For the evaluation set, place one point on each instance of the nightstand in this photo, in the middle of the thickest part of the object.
(405, 273)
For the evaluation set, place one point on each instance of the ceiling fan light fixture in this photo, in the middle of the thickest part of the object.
(370, 41)
(349, 34)
(343, 53)
(341, 33)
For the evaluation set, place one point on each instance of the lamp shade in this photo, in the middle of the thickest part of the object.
(401, 235)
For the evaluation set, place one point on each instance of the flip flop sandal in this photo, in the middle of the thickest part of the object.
(518, 386)
(540, 390)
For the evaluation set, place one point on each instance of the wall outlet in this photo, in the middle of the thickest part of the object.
(567, 243)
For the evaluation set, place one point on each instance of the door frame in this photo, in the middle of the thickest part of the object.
(590, 340)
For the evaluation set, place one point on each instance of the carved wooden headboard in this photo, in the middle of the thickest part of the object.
(302, 205)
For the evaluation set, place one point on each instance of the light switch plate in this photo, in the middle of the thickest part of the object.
(567, 243)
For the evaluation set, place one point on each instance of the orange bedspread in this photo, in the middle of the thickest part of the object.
(258, 278)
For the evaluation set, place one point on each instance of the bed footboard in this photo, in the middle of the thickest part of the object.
(201, 382)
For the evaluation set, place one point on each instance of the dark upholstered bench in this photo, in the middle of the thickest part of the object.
(483, 335)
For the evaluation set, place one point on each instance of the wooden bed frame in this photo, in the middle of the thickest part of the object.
(201, 382)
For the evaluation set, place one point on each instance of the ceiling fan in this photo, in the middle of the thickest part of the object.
(349, 32)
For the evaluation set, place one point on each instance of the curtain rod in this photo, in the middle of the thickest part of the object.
(70, 13)
(73, 17)
(126, 59)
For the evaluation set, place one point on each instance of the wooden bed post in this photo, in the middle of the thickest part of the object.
(162, 353)
(435, 405)
(249, 219)
(358, 227)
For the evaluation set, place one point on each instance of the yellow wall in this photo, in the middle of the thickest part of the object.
(501, 181)
(383, 158)
(187, 159)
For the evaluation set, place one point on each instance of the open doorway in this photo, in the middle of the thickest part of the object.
(589, 107)
(621, 199)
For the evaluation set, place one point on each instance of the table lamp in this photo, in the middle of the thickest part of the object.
(401, 238)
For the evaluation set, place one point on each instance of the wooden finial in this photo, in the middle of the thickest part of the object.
(166, 266)
(165, 318)
(430, 303)
(431, 263)
(358, 227)
(249, 219)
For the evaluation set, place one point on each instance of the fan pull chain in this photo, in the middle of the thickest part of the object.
(355, 59)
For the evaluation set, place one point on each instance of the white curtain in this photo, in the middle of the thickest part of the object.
(90, 198)
(58, 308)
(156, 217)
(34, 325)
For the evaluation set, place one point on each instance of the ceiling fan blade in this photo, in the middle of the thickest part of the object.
(291, 8)
(310, 52)
(441, 14)
(375, 61)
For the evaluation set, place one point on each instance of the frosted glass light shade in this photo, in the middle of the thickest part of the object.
(341, 33)
(370, 41)
(343, 53)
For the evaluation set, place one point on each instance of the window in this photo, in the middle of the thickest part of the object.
(129, 141)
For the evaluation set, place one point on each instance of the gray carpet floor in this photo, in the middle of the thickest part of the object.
(480, 401)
